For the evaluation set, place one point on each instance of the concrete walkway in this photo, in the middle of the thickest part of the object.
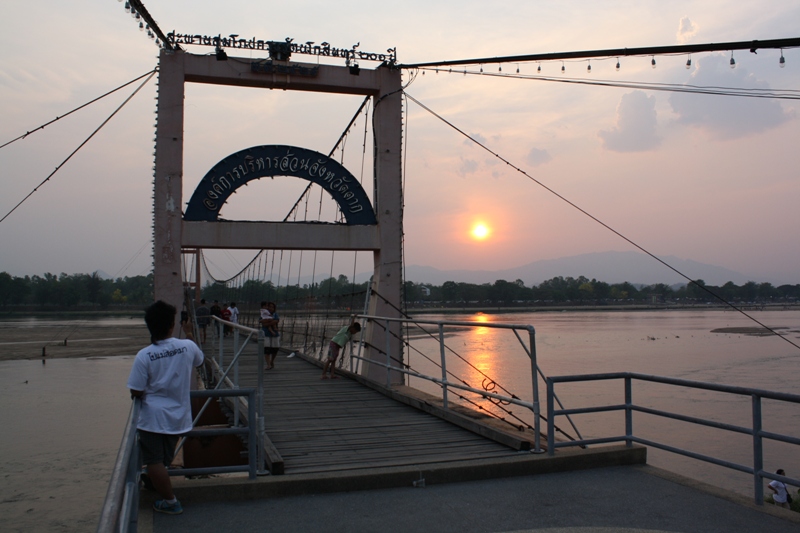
(602, 500)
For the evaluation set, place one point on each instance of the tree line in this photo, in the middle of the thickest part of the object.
(69, 291)
(584, 291)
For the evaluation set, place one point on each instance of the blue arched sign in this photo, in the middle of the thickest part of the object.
(277, 160)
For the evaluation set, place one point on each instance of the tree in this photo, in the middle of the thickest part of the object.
(94, 286)
(766, 291)
(695, 290)
(44, 288)
(450, 291)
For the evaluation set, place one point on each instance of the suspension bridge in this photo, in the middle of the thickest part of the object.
(368, 429)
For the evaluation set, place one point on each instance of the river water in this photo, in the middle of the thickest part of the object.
(63, 421)
(62, 426)
(677, 343)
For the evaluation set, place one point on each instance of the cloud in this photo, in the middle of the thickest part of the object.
(538, 157)
(686, 30)
(636, 125)
(726, 117)
(468, 166)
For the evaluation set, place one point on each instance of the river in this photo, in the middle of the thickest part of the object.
(677, 343)
(63, 420)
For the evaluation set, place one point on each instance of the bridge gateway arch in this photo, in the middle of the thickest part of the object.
(371, 226)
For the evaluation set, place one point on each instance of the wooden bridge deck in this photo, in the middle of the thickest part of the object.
(332, 425)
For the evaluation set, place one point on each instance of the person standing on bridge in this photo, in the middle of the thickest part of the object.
(234, 313)
(338, 342)
(216, 311)
(225, 315)
(272, 337)
(161, 376)
(781, 496)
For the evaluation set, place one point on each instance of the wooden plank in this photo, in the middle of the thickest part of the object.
(331, 425)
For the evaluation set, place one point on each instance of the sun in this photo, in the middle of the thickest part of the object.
(480, 231)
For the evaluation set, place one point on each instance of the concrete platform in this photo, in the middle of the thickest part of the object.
(624, 498)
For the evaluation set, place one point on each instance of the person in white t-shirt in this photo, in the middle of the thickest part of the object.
(161, 376)
(234, 313)
(780, 489)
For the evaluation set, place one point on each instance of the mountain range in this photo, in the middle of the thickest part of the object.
(610, 267)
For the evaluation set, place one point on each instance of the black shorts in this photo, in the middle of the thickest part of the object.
(157, 447)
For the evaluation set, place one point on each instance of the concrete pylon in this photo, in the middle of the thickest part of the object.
(172, 233)
(168, 181)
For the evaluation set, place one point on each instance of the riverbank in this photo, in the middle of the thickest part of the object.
(58, 335)
(49, 339)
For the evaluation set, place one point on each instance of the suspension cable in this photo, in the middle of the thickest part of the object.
(606, 226)
(90, 102)
(128, 99)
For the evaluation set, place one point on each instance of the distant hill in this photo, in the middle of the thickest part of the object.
(611, 267)
(103, 275)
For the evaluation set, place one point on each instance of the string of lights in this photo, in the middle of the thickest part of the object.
(123, 104)
(146, 23)
(43, 126)
(779, 94)
(652, 51)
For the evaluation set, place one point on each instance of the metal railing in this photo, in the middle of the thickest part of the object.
(229, 376)
(120, 508)
(755, 431)
(446, 384)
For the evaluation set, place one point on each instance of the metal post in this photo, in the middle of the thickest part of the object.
(252, 436)
(628, 411)
(305, 341)
(758, 452)
(444, 365)
(237, 399)
(260, 405)
(219, 340)
(388, 356)
(363, 329)
(551, 426)
(197, 281)
(537, 423)
(135, 471)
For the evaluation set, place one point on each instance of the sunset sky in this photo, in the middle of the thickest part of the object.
(708, 178)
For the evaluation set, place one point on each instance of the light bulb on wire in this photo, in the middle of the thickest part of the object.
(617, 65)
(782, 61)
(689, 62)
(563, 68)
(653, 61)
(539, 68)
(589, 67)
(733, 61)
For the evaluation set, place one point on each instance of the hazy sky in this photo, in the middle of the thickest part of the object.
(708, 178)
